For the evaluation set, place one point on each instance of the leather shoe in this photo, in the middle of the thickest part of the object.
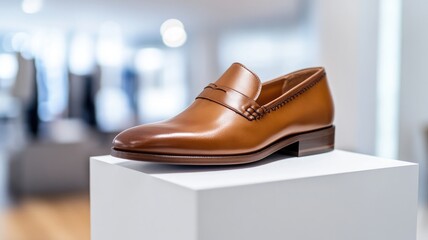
(237, 120)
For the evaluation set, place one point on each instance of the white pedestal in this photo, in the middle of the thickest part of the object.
(333, 196)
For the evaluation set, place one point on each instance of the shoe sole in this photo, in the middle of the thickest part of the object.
(302, 144)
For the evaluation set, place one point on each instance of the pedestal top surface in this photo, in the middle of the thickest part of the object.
(273, 168)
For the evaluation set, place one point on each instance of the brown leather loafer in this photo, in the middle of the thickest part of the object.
(237, 119)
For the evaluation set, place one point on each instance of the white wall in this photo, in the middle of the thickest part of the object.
(348, 47)
(414, 87)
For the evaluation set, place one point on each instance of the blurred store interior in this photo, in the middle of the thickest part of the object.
(75, 73)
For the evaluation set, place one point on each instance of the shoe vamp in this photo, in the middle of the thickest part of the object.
(204, 128)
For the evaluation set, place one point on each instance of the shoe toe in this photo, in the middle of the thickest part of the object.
(134, 139)
(151, 138)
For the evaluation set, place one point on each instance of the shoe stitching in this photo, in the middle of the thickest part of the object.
(252, 111)
(294, 96)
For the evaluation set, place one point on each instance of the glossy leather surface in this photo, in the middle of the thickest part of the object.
(238, 114)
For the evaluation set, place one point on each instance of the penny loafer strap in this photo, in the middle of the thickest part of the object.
(233, 100)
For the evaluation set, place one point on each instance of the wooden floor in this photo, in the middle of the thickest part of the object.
(48, 218)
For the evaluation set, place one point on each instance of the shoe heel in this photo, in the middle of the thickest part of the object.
(315, 142)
